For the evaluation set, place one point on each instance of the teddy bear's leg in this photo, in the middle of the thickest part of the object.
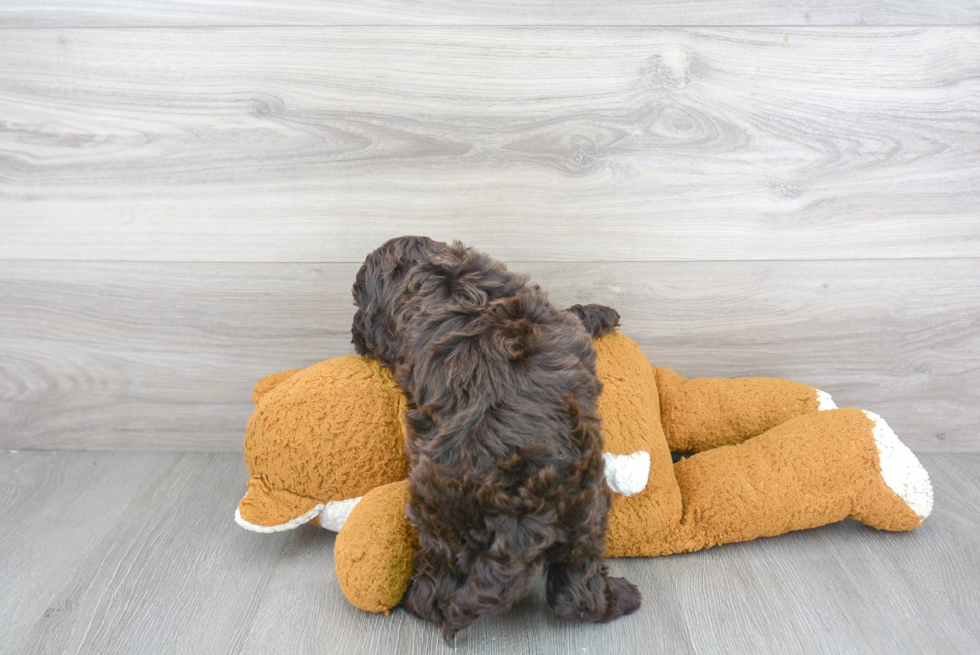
(646, 504)
(703, 413)
(812, 470)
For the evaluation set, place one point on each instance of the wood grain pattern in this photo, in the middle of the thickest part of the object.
(897, 578)
(327, 622)
(169, 577)
(843, 587)
(97, 13)
(823, 607)
(543, 144)
(54, 514)
(159, 566)
(163, 356)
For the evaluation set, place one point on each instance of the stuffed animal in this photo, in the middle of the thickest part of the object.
(763, 457)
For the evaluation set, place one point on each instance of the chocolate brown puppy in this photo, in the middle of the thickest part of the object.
(504, 444)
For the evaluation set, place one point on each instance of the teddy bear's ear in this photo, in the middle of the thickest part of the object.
(269, 382)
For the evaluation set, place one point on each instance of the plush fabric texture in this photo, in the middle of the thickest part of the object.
(704, 413)
(630, 411)
(270, 382)
(375, 552)
(334, 431)
(812, 470)
(815, 469)
(329, 432)
(767, 462)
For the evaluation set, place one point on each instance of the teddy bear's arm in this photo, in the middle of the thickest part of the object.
(702, 413)
(374, 553)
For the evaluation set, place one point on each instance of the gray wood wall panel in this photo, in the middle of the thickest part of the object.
(182, 209)
(164, 355)
(75, 13)
(618, 144)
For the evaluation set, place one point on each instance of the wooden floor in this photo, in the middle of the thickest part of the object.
(136, 552)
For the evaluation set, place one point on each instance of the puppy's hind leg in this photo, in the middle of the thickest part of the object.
(454, 588)
(597, 319)
(428, 592)
(579, 587)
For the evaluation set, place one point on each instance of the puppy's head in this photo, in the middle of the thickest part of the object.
(377, 289)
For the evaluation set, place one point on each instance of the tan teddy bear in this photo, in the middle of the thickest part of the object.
(326, 445)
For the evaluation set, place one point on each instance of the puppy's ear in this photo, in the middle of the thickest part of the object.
(359, 334)
(597, 319)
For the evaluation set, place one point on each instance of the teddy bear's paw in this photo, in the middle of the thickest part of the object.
(374, 554)
(824, 401)
(900, 469)
(627, 474)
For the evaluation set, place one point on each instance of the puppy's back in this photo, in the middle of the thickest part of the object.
(501, 385)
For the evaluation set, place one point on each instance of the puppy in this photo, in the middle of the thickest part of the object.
(504, 445)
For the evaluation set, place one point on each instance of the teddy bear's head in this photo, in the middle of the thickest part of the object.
(318, 440)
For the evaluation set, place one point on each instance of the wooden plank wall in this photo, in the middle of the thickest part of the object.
(760, 188)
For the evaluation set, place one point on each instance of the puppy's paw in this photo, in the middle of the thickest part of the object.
(624, 598)
(422, 601)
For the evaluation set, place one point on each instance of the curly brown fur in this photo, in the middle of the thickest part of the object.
(505, 448)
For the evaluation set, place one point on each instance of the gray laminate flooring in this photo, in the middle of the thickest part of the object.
(137, 552)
